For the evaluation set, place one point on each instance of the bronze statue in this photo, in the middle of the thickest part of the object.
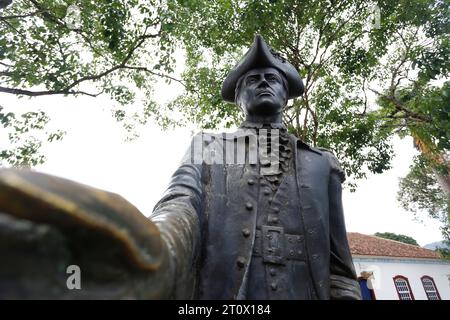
(254, 214)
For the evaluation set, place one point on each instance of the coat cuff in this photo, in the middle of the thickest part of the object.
(342, 288)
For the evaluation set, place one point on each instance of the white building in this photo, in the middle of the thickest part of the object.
(392, 270)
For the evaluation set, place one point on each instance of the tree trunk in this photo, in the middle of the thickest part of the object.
(438, 160)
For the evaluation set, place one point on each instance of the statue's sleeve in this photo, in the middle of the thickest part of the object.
(344, 284)
(177, 217)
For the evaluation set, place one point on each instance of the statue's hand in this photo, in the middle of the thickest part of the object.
(48, 224)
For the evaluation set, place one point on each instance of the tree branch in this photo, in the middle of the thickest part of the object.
(68, 90)
(324, 26)
(46, 92)
(322, 61)
(400, 106)
(46, 14)
(396, 70)
(155, 73)
(19, 16)
(122, 65)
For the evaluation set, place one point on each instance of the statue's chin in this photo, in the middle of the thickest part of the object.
(266, 109)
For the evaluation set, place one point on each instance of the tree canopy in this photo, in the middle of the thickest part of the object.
(397, 237)
(347, 61)
(63, 45)
(372, 69)
(23, 149)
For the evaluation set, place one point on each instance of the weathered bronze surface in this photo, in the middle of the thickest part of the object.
(48, 223)
(255, 214)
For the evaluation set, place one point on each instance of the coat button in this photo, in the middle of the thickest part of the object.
(240, 262)
(245, 232)
(251, 182)
(276, 209)
(274, 220)
(266, 191)
(248, 206)
(274, 286)
(315, 256)
(272, 272)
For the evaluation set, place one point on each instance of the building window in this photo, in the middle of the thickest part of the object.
(403, 288)
(430, 288)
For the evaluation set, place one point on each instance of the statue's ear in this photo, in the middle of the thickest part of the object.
(239, 105)
(238, 102)
(237, 93)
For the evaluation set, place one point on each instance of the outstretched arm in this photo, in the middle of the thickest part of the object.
(177, 217)
(49, 225)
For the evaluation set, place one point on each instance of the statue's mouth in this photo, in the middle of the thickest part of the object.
(264, 93)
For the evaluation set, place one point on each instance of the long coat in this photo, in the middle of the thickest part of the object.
(208, 209)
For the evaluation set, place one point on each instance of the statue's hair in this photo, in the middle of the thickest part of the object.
(239, 83)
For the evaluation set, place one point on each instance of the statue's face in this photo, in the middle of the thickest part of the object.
(262, 92)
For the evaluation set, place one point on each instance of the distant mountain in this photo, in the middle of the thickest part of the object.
(435, 245)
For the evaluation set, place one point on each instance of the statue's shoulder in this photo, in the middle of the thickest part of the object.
(334, 162)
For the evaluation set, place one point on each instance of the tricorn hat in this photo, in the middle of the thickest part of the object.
(261, 56)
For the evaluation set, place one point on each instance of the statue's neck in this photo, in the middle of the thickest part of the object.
(266, 119)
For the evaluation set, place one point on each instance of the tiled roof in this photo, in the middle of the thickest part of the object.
(366, 245)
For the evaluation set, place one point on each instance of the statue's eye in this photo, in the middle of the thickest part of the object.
(251, 80)
(272, 78)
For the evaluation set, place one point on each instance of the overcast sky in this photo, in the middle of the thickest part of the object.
(94, 152)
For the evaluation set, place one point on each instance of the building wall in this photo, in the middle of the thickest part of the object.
(385, 269)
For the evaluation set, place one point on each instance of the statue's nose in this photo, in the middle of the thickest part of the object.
(263, 83)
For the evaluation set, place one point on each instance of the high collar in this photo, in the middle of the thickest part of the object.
(259, 125)
(282, 127)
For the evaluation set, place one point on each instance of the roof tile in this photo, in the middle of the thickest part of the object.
(362, 244)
